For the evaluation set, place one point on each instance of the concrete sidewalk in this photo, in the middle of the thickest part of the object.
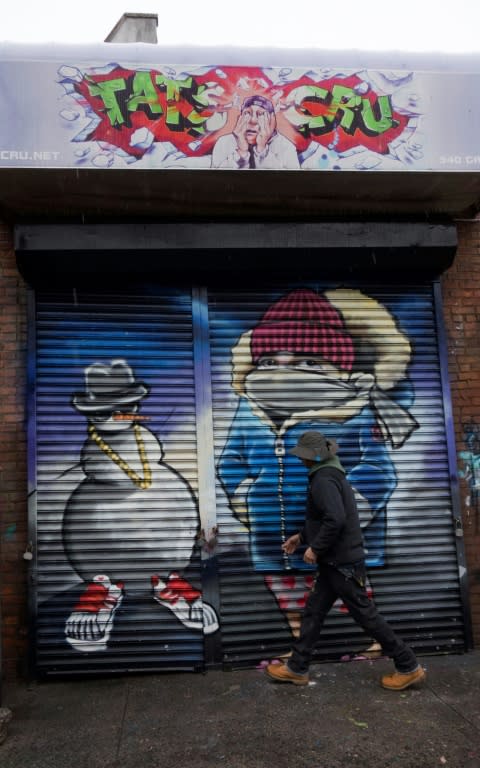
(242, 720)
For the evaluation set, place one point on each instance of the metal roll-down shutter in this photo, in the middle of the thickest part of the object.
(391, 431)
(120, 578)
(116, 511)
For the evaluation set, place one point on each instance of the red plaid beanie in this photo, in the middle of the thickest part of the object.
(304, 322)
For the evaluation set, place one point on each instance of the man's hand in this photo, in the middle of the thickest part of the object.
(291, 544)
(266, 126)
(310, 556)
(239, 132)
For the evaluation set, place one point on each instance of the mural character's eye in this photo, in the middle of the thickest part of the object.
(127, 409)
(100, 416)
(268, 362)
(310, 363)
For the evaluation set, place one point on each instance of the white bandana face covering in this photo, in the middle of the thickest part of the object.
(283, 392)
(288, 390)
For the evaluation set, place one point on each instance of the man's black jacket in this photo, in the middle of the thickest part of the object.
(332, 526)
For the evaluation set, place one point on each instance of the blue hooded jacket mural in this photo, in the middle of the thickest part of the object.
(333, 362)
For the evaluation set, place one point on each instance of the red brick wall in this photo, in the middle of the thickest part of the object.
(461, 296)
(13, 461)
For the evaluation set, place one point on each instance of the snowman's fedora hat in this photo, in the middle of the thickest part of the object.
(108, 386)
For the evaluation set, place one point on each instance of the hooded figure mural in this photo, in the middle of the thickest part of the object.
(333, 362)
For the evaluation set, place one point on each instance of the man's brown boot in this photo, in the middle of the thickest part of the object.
(282, 674)
(401, 680)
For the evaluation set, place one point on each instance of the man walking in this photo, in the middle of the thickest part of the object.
(334, 542)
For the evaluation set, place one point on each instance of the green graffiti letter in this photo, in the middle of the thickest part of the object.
(173, 88)
(196, 123)
(144, 93)
(385, 121)
(201, 97)
(345, 100)
(174, 118)
(314, 124)
(106, 91)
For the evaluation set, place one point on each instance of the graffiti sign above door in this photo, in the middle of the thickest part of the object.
(121, 113)
(241, 107)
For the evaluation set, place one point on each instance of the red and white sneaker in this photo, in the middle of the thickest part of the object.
(89, 625)
(185, 602)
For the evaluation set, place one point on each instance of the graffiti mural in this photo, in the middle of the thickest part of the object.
(471, 472)
(164, 483)
(336, 362)
(124, 471)
(117, 511)
(242, 117)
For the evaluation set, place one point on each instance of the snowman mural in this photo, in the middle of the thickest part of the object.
(336, 363)
(138, 515)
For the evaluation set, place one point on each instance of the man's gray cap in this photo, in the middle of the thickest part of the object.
(314, 446)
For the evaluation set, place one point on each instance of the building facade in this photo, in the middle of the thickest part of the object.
(171, 325)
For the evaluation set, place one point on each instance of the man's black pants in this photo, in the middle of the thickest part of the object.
(348, 584)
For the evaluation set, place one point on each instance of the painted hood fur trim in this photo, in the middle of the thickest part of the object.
(367, 321)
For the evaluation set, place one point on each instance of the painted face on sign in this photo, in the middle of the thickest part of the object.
(258, 121)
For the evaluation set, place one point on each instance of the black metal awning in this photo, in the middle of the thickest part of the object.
(226, 195)
(236, 251)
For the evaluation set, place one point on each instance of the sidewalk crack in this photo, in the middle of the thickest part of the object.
(124, 713)
(461, 715)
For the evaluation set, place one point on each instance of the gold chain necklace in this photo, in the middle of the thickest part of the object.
(143, 483)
